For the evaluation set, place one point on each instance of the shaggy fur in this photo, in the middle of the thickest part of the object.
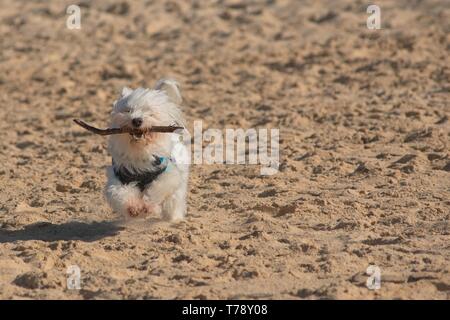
(166, 195)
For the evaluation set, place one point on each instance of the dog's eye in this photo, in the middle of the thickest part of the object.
(126, 110)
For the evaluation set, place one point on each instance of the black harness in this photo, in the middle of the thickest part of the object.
(143, 178)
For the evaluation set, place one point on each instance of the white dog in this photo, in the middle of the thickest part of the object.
(149, 173)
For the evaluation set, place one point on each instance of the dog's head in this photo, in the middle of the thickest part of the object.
(142, 109)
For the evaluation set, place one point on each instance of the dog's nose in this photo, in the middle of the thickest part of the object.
(137, 122)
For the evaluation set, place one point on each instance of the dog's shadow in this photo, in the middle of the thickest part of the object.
(74, 230)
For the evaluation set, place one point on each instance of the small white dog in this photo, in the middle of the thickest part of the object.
(149, 173)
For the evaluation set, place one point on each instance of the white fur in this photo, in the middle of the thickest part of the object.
(167, 194)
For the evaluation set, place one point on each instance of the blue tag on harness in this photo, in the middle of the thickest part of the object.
(165, 161)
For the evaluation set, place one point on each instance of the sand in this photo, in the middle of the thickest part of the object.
(364, 149)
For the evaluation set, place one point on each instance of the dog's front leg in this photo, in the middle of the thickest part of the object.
(162, 188)
(125, 200)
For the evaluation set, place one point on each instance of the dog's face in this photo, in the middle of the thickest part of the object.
(144, 108)
(141, 109)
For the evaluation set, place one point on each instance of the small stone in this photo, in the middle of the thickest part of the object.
(267, 193)
(174, 238)
(62, 187)
(30, 280)
(120, 8)
(89, 184)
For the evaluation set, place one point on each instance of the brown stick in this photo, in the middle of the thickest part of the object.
(108, 131)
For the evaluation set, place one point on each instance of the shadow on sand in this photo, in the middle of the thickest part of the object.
(84, 231)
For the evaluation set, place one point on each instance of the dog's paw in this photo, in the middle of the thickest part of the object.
(152, 208)
(134, 211)
(142, 209)
(136, 208)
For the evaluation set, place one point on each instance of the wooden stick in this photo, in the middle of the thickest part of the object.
(108, 131)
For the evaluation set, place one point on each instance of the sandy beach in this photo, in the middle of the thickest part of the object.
(364, 176)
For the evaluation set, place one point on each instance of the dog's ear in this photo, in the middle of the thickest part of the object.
(126, 91)
(171, 88)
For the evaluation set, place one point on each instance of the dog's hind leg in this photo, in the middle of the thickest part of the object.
(174, 207)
